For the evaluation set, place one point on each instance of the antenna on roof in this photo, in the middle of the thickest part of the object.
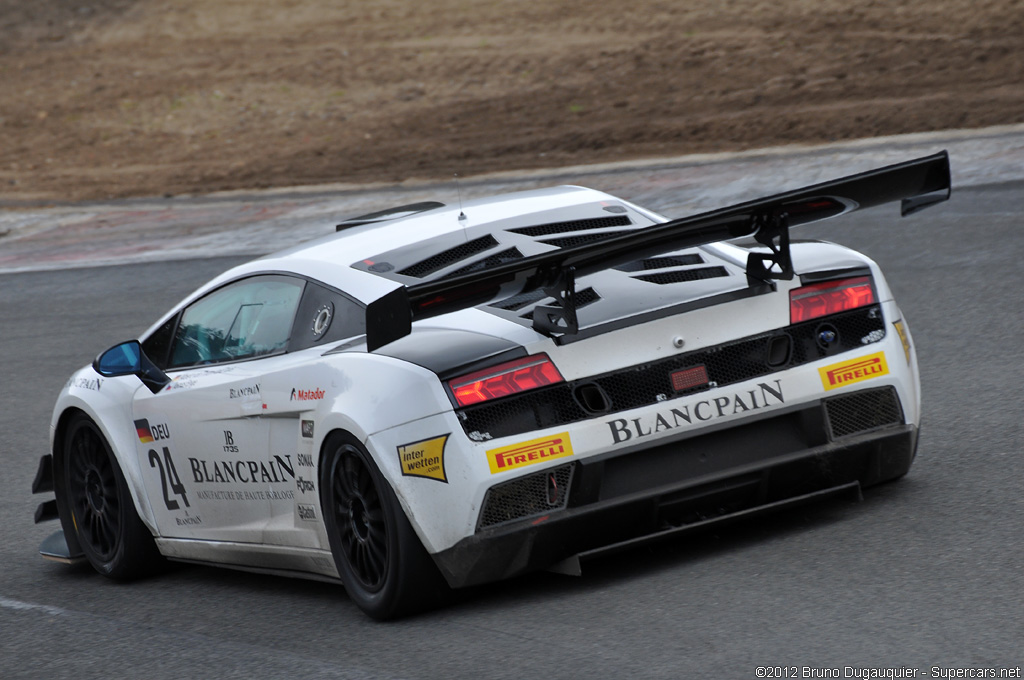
(462, 215)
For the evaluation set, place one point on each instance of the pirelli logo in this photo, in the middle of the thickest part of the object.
(528, 453)
(853, 371)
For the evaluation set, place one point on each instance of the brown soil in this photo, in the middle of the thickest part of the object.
(111, 98)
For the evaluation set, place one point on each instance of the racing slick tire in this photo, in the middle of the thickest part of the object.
(381, 561)
(103, 518)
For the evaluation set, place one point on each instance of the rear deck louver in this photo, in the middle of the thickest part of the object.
(519, 301)
(684, 275)
(490, 261)
(583, 239)
(449, 257)
(575, 225)
(661, 263)
(584, 297)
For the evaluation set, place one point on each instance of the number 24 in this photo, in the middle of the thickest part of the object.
(171, 475)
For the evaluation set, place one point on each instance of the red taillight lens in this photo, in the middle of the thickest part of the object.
(504, 379)
(829, 297)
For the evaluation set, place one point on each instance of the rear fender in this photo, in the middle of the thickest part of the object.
(403, 393)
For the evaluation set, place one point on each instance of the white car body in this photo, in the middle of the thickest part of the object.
(223, 462)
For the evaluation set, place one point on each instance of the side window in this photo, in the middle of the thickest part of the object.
(245, 319)
(326, 316)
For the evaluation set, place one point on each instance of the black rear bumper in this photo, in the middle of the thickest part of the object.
(649, 495)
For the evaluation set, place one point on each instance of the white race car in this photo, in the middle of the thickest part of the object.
(437, 397)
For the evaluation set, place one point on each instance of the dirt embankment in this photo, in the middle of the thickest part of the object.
(112, 98)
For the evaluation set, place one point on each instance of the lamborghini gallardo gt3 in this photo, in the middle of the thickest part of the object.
(433, 397)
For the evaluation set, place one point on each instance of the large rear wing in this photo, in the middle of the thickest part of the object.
(918, 184)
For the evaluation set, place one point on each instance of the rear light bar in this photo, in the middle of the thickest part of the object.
(830, 297)
(504, 379)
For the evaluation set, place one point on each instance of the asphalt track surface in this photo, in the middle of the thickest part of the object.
(924, 572)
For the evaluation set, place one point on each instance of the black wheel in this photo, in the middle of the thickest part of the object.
(381, 561)
(103, 517)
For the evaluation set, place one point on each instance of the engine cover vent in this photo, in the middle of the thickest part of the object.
(684, 275)
(574, 225)
(450, 257)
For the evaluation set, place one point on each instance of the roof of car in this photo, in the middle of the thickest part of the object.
(331, 258)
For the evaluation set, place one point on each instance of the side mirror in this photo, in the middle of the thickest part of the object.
(128, 358)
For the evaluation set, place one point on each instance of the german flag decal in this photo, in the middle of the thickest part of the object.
(142, 429)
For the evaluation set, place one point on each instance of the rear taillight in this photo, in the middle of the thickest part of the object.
(829, 297)
(504, 379)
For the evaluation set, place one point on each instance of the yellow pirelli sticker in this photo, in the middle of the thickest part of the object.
(528, 453)
(424, 458)
(853, 371)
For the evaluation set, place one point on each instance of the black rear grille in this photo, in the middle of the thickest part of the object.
(581, 239)
(863, 411)
(528, 496)
(584, 297)
(684, 275)
(504, 256)
(646, 384)
(661, 263)
(519, 301)
(450, 257)
(574, 225)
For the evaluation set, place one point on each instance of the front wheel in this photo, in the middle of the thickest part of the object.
(381, 561)
(103, 517)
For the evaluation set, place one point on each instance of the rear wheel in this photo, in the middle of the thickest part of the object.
(103, 517)
(381, 561)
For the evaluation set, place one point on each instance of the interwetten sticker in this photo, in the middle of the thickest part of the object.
(424, 458)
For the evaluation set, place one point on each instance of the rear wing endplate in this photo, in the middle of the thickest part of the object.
(917, 184)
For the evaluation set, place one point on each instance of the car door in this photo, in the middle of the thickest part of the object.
(297, 391)
(203, 439)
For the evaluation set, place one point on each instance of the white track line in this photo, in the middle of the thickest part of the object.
(18, 605)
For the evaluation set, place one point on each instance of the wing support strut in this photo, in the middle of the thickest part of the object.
(772, 230)
(560, 317)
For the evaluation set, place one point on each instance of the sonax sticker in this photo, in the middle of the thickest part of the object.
(528, 453)
(424, 458)
(853, 371)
